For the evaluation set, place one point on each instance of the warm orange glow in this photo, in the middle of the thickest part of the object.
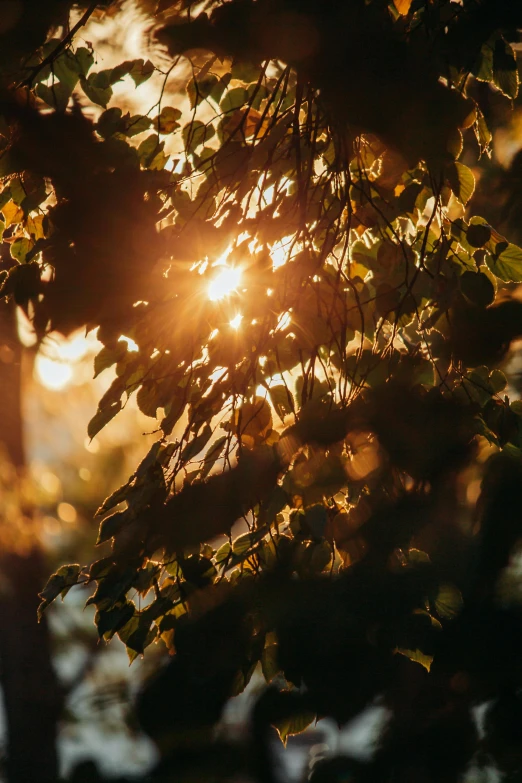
(58, 361)
(53, 374)
(225, 283)
(131, 345)
(236, 321)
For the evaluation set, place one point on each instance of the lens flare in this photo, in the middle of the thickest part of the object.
(236, 321)
(225, 283)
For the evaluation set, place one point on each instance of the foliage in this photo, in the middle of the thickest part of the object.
(330, 395)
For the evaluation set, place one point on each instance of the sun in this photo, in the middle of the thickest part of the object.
(225, 283)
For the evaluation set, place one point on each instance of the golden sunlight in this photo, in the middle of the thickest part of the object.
(225, 283)
(52, 374)
(59, 359)
(236, 321)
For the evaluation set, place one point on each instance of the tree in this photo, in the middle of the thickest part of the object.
(318, 318)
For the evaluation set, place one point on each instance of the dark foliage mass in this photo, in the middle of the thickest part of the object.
(326, 423)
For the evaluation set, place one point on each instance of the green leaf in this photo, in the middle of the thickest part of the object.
(116, 497)
(110, 122)
(58, 584)
(223, 553)
(149, 149)
(294, 725)
(108, 622)
(483, 67)
(477, 288)
(282, 400)
(84, 59)
(245, 72)
(478, 234)
(461, 181)
(168, 120)
(141, 71)
(20, 248)
(498, 381)
(448, 603)
(138, 123)
(234, 99)
(270, 662)
(109, 356)
(100, 95)
(507, 265)
(196, 133)
(212, 455)
(67, 70)
(111, 526)
(196, 445)
(243, 543)
(200, 89)
(102, 417)
(57, 96)
(505, 72)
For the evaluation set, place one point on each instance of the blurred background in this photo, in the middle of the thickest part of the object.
(68, 476)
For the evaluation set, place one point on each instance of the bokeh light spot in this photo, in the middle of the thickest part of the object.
(225, 282)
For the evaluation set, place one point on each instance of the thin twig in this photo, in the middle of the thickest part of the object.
(27, 82)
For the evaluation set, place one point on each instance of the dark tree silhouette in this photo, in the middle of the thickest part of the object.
(320, 322)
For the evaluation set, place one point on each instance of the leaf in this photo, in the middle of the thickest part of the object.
(294, 725)
(498, 381)
(483, 67)
(58, 584)
(417, 656)
(212, 455)
(168, 119)
(234, 99)
(100, 95)
(67, 70)
(402, 6)
(110, 122)
(141, 71)
(136, 124)
(12, 214)
(200, 89)
(282, 400)
(477, 288)
(196, 445)
(149, 149)
(116, 497)
(507, 265)
(20, 248)
(478, 234)
(109, 356)
(245, 72)
(111, 526)
(315, 520)
(102, 417)
(84, 59)
(505, 72)
(461, 181)
(448, 603)
(195, 134)
(243, 543)
(108, 622)
(270, 662)
(223, 553)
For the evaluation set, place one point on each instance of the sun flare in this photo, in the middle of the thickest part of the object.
(225, 283)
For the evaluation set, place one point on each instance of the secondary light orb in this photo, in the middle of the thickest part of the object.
(225, 282)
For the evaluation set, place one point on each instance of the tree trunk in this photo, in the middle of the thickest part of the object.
(31, 692)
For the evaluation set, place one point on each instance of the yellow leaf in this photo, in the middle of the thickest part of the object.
(403, 6)
(34, 226)
(12, 213)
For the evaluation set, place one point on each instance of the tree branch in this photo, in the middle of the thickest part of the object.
(28, 81)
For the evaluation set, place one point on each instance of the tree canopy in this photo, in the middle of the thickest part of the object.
(314, 315)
